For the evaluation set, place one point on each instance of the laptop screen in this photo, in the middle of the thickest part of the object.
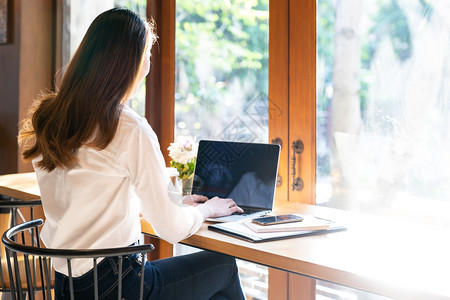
(245, 172)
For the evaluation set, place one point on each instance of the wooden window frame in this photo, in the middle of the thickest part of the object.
(292, 48)
(292, 106)
(160, 84)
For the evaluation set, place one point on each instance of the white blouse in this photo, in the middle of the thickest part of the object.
(96, 203)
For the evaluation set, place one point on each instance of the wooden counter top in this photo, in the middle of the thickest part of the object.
(375, 254)
(380, 255)
(21, 186)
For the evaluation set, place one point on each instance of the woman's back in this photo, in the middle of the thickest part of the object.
(92, 204)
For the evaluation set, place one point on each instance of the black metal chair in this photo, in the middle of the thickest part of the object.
(12, 211)
(41, 272)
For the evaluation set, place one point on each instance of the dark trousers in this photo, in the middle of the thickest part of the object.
(201, 275)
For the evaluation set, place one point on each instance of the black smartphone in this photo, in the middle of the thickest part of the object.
(271, 220)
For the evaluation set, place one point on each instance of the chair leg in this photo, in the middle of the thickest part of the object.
(10, 274)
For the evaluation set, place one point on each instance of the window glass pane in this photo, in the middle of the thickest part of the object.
(221, 86)
(80, 13)
(137, 103)
(328, 291)
(383, 115)
(222, 69)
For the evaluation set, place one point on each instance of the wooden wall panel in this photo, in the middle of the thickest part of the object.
(26, 68)
(36, 57)
(9, 92)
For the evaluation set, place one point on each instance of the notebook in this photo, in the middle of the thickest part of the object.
(242, 231)
(245, 172)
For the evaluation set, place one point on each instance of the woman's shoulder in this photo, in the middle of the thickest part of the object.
(131, 121)
(128, 115)
(132, 125)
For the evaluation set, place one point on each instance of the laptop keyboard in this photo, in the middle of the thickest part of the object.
(246, 212)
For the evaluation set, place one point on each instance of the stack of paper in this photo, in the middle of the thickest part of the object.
(255, 233)
(309, 223)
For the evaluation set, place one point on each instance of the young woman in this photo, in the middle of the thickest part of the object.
(99, 166)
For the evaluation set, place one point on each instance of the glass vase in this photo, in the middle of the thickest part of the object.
(186, 186)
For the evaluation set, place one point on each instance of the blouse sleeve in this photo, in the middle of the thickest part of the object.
(148, 175)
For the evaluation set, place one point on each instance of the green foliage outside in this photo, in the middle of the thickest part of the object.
(219, 45)
(237, 32)
(237, 49)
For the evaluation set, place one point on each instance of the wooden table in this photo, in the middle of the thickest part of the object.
(375, 254)
(24, 190)
(383, 256)
(20, 186)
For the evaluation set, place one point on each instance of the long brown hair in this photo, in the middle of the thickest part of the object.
(86, 111)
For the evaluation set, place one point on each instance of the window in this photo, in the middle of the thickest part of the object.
(78, 15)
(382, 114)
(137, 103)
(221, 83)
(384, 60)
(382, 106)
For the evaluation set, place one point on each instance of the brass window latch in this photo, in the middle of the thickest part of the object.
(297, 182)
(297, 149)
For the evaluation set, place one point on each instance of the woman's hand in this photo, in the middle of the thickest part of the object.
(219, 207)
(194, 200)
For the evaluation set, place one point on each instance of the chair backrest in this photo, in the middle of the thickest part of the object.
(13, 211)
(40, 256)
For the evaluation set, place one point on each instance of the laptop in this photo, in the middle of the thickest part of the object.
(245, 172)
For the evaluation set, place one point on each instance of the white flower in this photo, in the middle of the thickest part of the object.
(184, 150)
